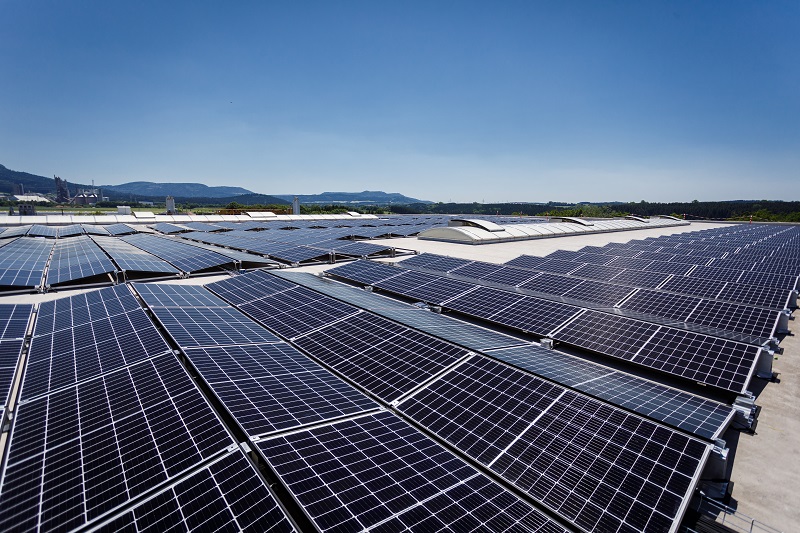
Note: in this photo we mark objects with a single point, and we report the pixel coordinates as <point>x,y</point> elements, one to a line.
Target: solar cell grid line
<point>722,363</point>
<point>79,452</point>
<point>273,387</point>
<point>704,418</point>
<point>227,495</point>
<point>662,304</point>
<point>378,473</point>
<point>603,469</point>
<point>69,356</point>
<point>165,295</point>
<point>14,320</point>
<point>248,287</point>
<point>364,271</point>
<point>382,357</point>
<point>608,334</point>
<point>297,311</point>
<point>527,261</point>
<point>554,284</point>
<point>192,327</point>
<point>739,318</point>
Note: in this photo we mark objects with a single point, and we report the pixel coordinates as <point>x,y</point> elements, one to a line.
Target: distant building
<point>30,198</point>
<point>171,206</point>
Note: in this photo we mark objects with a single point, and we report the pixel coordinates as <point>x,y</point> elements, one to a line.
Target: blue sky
<point>440,100</point>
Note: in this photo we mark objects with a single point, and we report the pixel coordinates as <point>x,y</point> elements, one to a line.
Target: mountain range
<point>10,180</point>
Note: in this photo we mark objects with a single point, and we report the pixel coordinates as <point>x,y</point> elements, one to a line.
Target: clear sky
<point>440,100</point>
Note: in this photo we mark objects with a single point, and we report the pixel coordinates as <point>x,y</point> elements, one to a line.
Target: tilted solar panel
<point>379,472</point>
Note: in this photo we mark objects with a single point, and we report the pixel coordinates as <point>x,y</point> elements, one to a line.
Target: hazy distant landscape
<point>194,195</point>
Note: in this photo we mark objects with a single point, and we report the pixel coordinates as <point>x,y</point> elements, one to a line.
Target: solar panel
<point>768,297</point>
<point>70,231</point>
<point>598,272</point>
<point>249,287</point>
<point>272,387</point>
<point>641,278</point>
<point>72,355</point>
<point>211,326</point>
<point>79,452</point>
<point>598,292</point>
<point>567,451</point>
<point>226,495</point>
<point>668,268</point>
<point>533,315</point>
<point>379,472</point>
<point>15,231</point>
<point>439,263</point>
<point>551,284</point>
<point>37,230</point>
<point>663,304</point>
<point>686,411</point>
<point>14,320</point>
<point>722,363</point>
<point>296,311</point>
<point>119,229</point>
<point>366,272</point>
<point>361,249</point>
<point>183,255</point>
<point>527,261</point>
<point>603,469</point>
<point>509,276</point>
<point>704,288</point>
<point>165,295</point>
<point>167,228</point>
<point>739,318</point>
<point>78,259</point>
<point>22,262</point>
<point>384,358</point>
<point>64,313</point>
<point>767,279</point>
<point>558,266</point>
<point>425,287</point>
<point>693,414</point>
<point>609,334</point>
<point>10,350</point>
<point>131,259</point>
<point>476,269</point>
